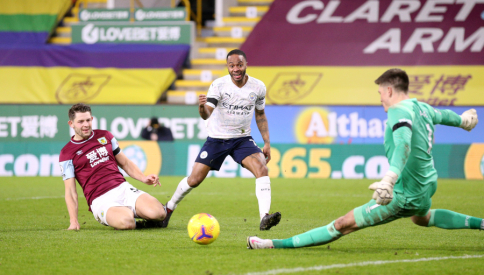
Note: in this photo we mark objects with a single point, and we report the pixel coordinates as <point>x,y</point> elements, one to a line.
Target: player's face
<point>385,92</point>
<point>237,66</point>
<point>82,125</point>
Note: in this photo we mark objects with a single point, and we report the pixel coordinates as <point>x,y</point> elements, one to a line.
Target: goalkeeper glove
<point>469,119</point>
<point>384,189</point>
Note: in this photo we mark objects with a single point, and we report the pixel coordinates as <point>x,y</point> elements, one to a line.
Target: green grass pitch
<point>33,239</point>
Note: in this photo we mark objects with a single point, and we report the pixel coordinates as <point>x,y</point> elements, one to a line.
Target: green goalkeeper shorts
<point>372,214</point>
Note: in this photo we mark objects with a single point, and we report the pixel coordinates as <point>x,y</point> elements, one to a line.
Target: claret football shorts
<point>123,195</point>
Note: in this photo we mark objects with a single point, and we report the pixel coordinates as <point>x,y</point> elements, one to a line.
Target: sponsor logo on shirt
<point>102,140</point>
<point>99,161</point>
<point>97,156</point>
<point>237,107</point>
<point>79,152</point>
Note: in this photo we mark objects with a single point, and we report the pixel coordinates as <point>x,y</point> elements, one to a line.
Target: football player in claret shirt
<point>407,188</point>
<point>92,158</point>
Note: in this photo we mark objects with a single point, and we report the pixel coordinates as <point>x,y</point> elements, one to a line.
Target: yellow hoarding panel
<point>436,85</point>
<point>34,7</point>
<point>64,85</point>
<point>474,162</point>
<point>145,154</point>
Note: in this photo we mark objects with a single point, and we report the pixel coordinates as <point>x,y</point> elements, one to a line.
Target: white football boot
<point>258,243</point>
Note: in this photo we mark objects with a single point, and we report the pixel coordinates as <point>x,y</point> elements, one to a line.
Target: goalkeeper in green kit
<point>407,188</point>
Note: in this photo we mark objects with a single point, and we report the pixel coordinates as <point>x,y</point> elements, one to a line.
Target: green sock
<point>447,219</point>
<point>318,236</point>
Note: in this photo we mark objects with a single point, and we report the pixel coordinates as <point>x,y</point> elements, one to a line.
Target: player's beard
<point>81,134</point>
<point>241,79</point>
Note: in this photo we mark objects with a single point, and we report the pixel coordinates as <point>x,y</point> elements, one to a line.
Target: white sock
<point>181,191</point>
<point>263,193</point>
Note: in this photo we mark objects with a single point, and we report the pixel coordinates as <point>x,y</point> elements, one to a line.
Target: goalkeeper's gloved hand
<point>469,119</point>
<point>384,189</point>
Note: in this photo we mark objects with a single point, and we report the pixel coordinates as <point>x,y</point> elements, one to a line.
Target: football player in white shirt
<point>229,107</point>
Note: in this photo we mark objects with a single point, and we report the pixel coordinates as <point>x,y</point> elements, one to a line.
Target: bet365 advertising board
<point>307,142</point>
<point>355,161</point>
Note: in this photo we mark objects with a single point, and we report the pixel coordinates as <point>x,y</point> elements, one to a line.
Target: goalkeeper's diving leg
<point>447,219</point>
<point>369,214</point>
<point>318,236</point>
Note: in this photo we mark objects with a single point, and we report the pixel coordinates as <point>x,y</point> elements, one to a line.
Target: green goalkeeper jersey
<point>408,143</point>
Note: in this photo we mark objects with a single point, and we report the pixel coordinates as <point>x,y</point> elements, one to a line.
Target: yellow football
<point>203,228</point>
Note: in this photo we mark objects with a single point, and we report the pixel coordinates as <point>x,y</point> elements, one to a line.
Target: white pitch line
<point>33,198</point>
<point>325,267</point>
<point>58,197</point>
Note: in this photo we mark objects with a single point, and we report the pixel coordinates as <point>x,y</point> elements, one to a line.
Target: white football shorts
<point>123,195</point>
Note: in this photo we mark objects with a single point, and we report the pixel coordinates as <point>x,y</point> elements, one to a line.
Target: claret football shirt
<point>92,162</point>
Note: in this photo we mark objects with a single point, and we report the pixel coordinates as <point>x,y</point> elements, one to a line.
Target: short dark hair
<point>236,51</point>
<point>78,108</point>
<point>396,77</point>
<point>154,121</point>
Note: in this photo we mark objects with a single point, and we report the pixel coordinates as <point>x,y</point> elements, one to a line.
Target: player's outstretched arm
<point>261,120</point>
<point>204,110</point>
<point>469,120</point>
<point>72,203</point>
<point>133,171</point>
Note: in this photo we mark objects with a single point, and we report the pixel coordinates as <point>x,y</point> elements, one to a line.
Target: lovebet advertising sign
<point>140,14</point>
<point>104,15</point>
<point>161,14</point>
<point>153,33</point>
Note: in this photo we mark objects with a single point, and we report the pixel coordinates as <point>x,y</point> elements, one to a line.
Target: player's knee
<point>155,213</point>
<point>340,223</point>
<point>126,223</point>
<point>195,180</point>
<point>420,221</point>
<point>261,171</point>
<point>345,225</point>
